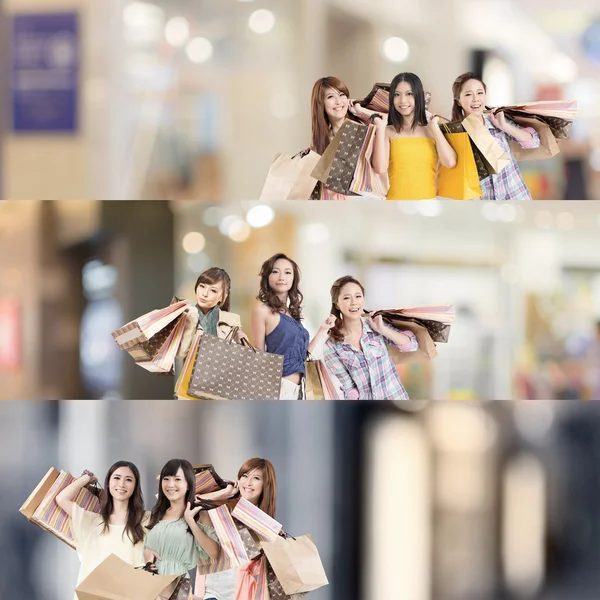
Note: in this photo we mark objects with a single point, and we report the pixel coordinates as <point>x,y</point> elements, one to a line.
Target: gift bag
<point>164,358</point>
<point>251,582</point>
<point>557,114</point>
<point>41,507</point>
<point>114,579</point>
<point>275,590</point>
<point>495,158</point>
<point>229,537</point>
<point>296,563</point>
<point>346,157</point>
<point>548,145</point>
<point>320,383</point>
<point>229,371</point>
<point>378,99</point>
<point>143,328</point>
<point>436,320</point>
<point>290,178</point>
<point>366,182</point>
<point>462,181</point>
<point>207,479</point>
<point>426,350</point>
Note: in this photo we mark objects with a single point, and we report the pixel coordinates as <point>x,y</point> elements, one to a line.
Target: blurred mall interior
<point>430,500</point>
<point>176,99</point>
<point>524,280</point>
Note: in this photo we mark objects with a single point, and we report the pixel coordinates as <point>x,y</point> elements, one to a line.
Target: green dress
<point>178,549</point>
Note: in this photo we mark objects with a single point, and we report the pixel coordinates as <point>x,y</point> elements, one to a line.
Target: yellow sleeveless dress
<point>413,169</point>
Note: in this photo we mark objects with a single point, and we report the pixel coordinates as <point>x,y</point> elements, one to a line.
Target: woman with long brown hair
<point>118,529</point>
<point>330,106</point>
<point>356,351</point>
<point>179,535</point>
<point>256,482</point>
<point>470,95</point>
<point>276,321</point>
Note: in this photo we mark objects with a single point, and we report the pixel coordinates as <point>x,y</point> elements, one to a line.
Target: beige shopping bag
<point>548,145</point>
<point>491,150</point>
<point>290,178</point>
<point>114,579</point>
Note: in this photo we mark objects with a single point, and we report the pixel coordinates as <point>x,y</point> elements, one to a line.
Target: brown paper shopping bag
<point>296,563</point>
<point>323,166</point>
<point>548,145</point>
<point>491,150</point>
<point>114,579</point>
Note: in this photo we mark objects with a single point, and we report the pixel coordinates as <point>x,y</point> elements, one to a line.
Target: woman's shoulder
<point>261,309</point>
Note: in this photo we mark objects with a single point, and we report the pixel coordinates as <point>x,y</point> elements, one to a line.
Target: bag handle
<point>302,153</point>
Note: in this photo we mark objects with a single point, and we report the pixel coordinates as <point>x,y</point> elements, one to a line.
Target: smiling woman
<point>118,529</point>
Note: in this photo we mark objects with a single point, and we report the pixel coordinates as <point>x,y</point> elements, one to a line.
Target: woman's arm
<point>65,498</point>
<point>445,152</point>
<point>321,337</point>
<point>527,137</point>
<point>406,342</point>
<point>380,161</point>
<point>209,545</point>
<point>258,324</point>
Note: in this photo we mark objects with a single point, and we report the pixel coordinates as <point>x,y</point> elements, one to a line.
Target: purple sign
<point>45,72</point>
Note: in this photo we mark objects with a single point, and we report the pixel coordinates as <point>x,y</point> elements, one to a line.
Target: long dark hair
<point>319,121</point>
<point>163,503</point>
<point>419,118</point>
<point>335,333</point>
<point>458,114</point>
<point>212,276</point>
<point>267,296</point>
<point>268,497</point>
<point>135,505</point>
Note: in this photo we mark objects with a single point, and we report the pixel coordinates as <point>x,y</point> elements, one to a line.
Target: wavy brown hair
<point>416,85</point>
<point>267,296</point>
<point>458,114</point>
<point>162,502</point>
<point>212,276</point>
<point>320,125</point>
<point>335,333</point>
<point>268,497</point>
<point>135,505</point>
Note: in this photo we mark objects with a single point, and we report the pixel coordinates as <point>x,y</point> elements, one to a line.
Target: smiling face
<point>251,485</point>
<point>336,104</point>
<point>122,484</point>
<point>175,487</point>
<point>472,97</point>
<point>281,277</point>
<point>351,301</point>
<point>209,295</point>
<point>404,99</point>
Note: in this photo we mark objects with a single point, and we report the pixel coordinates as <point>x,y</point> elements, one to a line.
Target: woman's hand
<point>328,323</point>
<point>359,111</point>
<point>190,513</point>
<point>434,124</point>
<point>93,478</point>
<point>377,324</point>
<point>498,120</point>
<point>239,336</point>
<point>151,556</point>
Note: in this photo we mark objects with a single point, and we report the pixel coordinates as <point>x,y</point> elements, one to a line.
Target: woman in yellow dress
<point>409,147</point>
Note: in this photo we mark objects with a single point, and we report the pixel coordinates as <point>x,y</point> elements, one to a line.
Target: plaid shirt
<point>371,374</point>
<point>508,184</point>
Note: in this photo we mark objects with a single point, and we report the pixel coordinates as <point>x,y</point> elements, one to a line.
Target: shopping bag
<point>229,537</point>
<point>424,353</point>
<point>207,479</point>
<point>320,383</point>
<point>365,181</point>
<point>290,178</point>
<point>323,167</point>
<point>495,158</point>
<point>378,99</point>
<point>254,518</point>
<point>251,582</point>
<point>275,590</point>
<point>163,360</point>
<point>143,328</point>
<point>557,114</point>
<point>462,181</point>
<point>346,157</point>
<point>114,579</point>
<point>296,563</point>
<point>548,145</point>
<point>229,371</point>
<point>41,507</point>
<point>483,169</point>
<point>436,320</point>
<point>185,377</point>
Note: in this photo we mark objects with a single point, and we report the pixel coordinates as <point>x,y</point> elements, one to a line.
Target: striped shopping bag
<point>41,507</point>
<point>261,523</point>
<point>229,537</point>
<point>163,360</point>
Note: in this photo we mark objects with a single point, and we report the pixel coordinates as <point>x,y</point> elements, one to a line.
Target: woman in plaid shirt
<point>356,351</point>
<point>469,95</point>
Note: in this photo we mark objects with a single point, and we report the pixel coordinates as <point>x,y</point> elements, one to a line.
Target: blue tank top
<point>289,339</point>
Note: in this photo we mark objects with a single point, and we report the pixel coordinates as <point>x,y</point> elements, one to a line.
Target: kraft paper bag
<point>548,145</point>
<point>491,150</point>
<point>114,579</point>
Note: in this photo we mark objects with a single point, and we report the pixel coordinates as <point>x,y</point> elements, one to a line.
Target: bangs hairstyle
<point>335,333</point>
<point>268,497</point>
<point>458,114</point>
<point>212,276</point>
<point>320,124</point>
<point>135,506</point>
<point>419,118</point>
<point>267,296</point>
<point>163,503</point>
